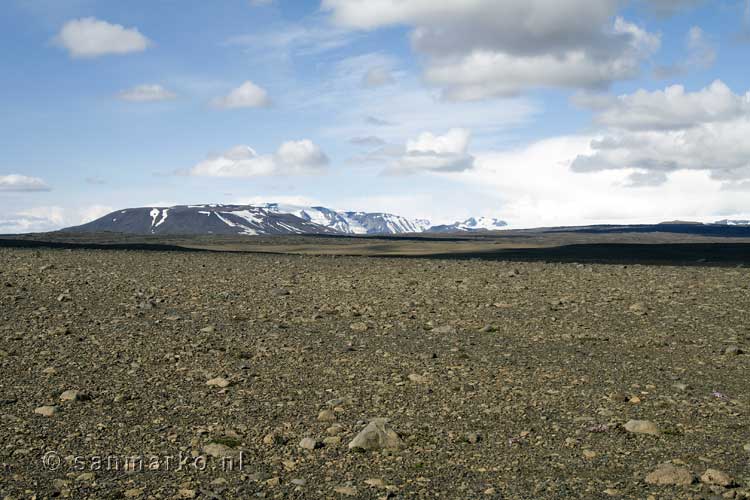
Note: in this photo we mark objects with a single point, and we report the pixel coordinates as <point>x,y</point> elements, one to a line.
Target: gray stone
<point>642,427</point>
<point>378,435</point>
<point>670,475</point>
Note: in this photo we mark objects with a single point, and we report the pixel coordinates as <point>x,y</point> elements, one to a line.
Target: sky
<point>540,113</point>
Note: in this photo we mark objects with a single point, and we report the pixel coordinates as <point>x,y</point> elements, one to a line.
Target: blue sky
<point>538,112</point>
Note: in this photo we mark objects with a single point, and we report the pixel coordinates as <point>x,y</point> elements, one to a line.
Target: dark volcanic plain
<point>502,379</point>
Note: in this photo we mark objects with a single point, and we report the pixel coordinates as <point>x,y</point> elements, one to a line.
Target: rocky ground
<point>243,376</point>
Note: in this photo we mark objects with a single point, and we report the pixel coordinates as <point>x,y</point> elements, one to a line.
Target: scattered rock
<point>358,327</point>
<point>639,308</point>
<point>375,483</point>
<point>46,411</point>
<point>378,435</point>
<point>473,437</point>
<point>218,450</point>
<point>309,443</point>
<point>74,395</point>
<point>274,439</point>
<point>668,474</point>
<point>346,491</point>
<point>326,416</point>
<point>272,482</point>
<point>642,427</point>
<point>590,454</point>
<point>219,382</point>
<point>717,477</point>
<point>335,429</point>
<point>208,329</point>
<point>445,329</point>
<point>733,350</point>
<point>332,440</point>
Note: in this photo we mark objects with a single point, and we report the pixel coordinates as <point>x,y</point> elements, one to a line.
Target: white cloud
<point>283,41</point>
<point>49,218</point>
<point>485,48</point>
<point>657,133</point>
<point>377,77</point>
<point>93,212</point>
<point>702,51</point>
<point>535,186</point>
<point>22,183</point>
<point>292,158</point>
<point>146,93</point>
<point>670,109</point>
<point>90,37</point>
<point>427,153</point>
<point>247,95</point>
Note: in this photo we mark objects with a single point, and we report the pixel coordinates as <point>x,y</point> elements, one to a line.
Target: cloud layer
<point>292,158</point>
<point>22,183</point>
<point>486,48</point>
<point>661,132</point>
<point>146,93</point>
<point>90,37</point>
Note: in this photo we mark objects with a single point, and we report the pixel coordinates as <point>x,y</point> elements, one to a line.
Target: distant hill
<point>268,219</point>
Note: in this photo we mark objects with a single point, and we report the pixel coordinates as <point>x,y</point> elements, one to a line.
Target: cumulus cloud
<point>533,185</point>
<point>90,37</point>
<point>427,153</point>
<point>247,95</point>
<point>292,158</point>
<point>670,109</point>
<point>146,93</point>
<point>22,183</point>
<point>488,48</point>
<point>657,133</point>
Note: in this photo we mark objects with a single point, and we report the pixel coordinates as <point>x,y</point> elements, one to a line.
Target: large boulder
<point>378,435</point>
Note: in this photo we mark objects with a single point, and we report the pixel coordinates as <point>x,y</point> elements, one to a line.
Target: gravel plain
<point>248,376</point>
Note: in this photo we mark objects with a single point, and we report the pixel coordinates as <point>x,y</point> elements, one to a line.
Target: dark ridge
<point>720,231</point>
<point>66,245</point>
<point>682,254</point>
<point>673,254</point>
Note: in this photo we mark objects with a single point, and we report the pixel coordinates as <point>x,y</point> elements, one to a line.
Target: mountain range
<point>270,219</point>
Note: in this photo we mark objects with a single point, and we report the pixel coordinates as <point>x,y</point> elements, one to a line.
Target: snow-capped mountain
<point>202,219</point>
<point>353,222</point>
<point>267,219</point>
<point>727,222</point>
<point>471,225</point>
